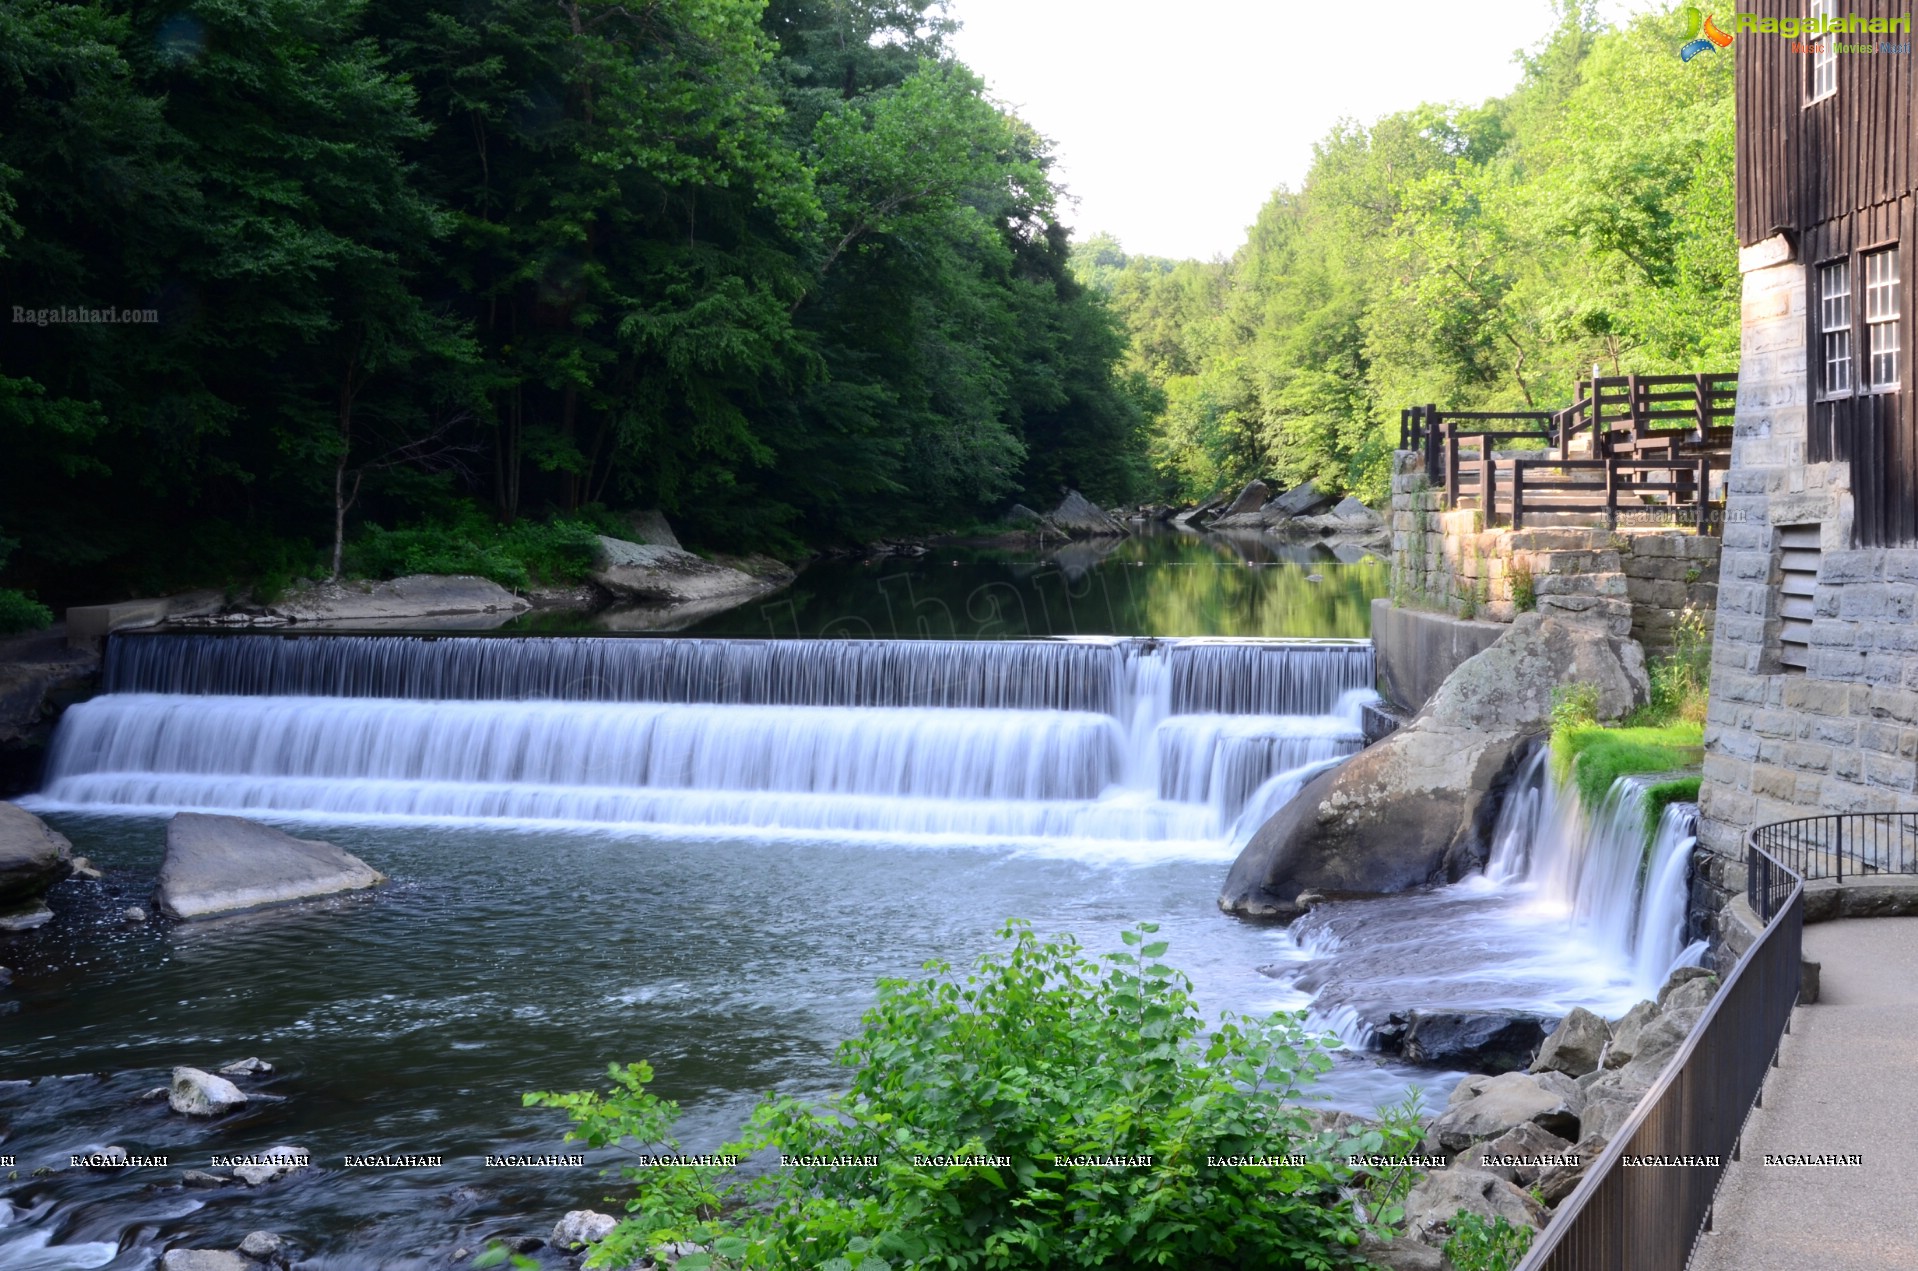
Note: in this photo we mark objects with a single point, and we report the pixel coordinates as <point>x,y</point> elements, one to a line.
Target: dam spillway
<point>1089,747</point>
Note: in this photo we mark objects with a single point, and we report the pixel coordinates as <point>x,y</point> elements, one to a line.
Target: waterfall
<point>1627,896</point>
<point>1101,747</point>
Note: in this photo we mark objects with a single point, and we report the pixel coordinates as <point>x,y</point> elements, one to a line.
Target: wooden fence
<point>1628,444</point>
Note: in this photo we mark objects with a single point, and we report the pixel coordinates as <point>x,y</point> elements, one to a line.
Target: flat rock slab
<point>224,864</point>
<point>414,596</point>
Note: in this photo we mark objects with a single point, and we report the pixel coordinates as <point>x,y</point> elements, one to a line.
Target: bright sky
<point>1174,121</point>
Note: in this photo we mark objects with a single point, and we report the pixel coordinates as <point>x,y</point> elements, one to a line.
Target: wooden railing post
<point>1432,473</point>
<point>1451,469</point>
<point>1487,483</point>
<point>1611,492</point>
<point>1518,493</point>
<point>1704,492</point>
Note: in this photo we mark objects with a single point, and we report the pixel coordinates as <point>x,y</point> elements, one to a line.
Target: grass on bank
<point>973,1103</point>
<point>1666,733</point>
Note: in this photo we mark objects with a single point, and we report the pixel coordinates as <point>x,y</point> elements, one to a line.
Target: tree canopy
<point>780,267</point>
<point>1478,257</point>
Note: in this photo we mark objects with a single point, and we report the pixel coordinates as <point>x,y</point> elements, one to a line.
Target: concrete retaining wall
<point>1417,649</point>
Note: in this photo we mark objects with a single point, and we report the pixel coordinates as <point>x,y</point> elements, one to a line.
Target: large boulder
<point>1417,807</point>
<point>33,857</point>
<point>1489,1041</point>
<point>650,527</point>
<point>1079,517</point>
<point>1626,1032</point>
<point>655,574</point>
<point>1437,1198</point>
<point>1501,1104</point>
<point>1517,1155</point>
<point>223,864</point>
<point>1302,500</point>
<point>1575,1046</point>
<point>1255,496</point>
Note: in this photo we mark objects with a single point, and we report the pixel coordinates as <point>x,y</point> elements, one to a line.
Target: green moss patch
<point>1663,794</point>
<point>1593,757</point>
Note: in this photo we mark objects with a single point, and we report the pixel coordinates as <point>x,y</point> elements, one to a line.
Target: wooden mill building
<point>1814,703</point>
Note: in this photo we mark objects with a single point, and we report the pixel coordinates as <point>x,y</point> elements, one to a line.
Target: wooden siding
<point>1801,165</point>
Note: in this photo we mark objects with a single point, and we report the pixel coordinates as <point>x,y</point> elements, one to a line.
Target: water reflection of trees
<point>1171,585</point>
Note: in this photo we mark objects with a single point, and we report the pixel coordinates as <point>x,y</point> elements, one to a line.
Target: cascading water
<point>1570,911</point>
<point>1090,747</point>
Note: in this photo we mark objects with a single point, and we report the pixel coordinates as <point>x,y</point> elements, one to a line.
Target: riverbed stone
<point>1503,1103</point>
<point>1253,497</point>
<point>414,596</point>
<point>582,1227</point>
<point>1575,1046</point>
<point>1301,500</point>
<point>654,574</point>
<point>1417,808</point>
<point>1437,1198</point>
<point>1678,979</point>
<point>33,856</point>
<point>201,1094</point>
<point>271,1169</point>
<point>251,1066</point>
<point>1491,1041</point>
<point>264,1246</point>
<point>1514,1155</point>
<point>204,1260</point>
<point>224,864</point>
<point>25,916</point>
<point>1625,1033</point>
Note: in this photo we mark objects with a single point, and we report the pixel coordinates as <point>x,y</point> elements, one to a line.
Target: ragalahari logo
<point>1701,35</point>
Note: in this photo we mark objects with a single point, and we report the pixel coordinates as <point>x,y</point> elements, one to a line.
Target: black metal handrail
<point>1628,1213</point>
<point>1830,846</point>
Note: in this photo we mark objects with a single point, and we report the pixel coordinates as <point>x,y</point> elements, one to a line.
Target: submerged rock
<point>33,857</point>
<point>25,917</point>
<point>248,1067</point>
<point>223,864</point>
<point>204,1260</point>
<point>1417,807</point>
<point>201,1094</point>
<point>275,1163</point>
<point>264,1246</point>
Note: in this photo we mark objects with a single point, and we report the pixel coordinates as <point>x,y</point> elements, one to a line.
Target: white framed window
<point>1834,326</point>
<point>1882,297</point>
<point>1824,55</point>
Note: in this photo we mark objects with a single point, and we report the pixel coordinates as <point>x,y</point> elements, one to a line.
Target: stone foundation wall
<point>1637,581</point>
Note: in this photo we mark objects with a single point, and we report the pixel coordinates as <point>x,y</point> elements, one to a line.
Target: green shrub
<point>1681,679</point>
<point>20,612</point>
<point>1524,588</point>
<point>1039,1054</point>
<point>514,556</point>
<point>1478,1245</point>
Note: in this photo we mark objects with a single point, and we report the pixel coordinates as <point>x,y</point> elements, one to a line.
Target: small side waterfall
<point>1624,893</point>
<point>1570,911</point>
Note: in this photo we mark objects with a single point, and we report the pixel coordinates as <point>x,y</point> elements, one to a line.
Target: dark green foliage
<point>514,556</point>
<point>781,269</point>
<point>1039,1052</point>
<point>1478,1245</point>
<point>20,612</point>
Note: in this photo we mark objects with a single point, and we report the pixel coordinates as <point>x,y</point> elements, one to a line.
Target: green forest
<point>438,283</point>
<point>1476,257</point>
